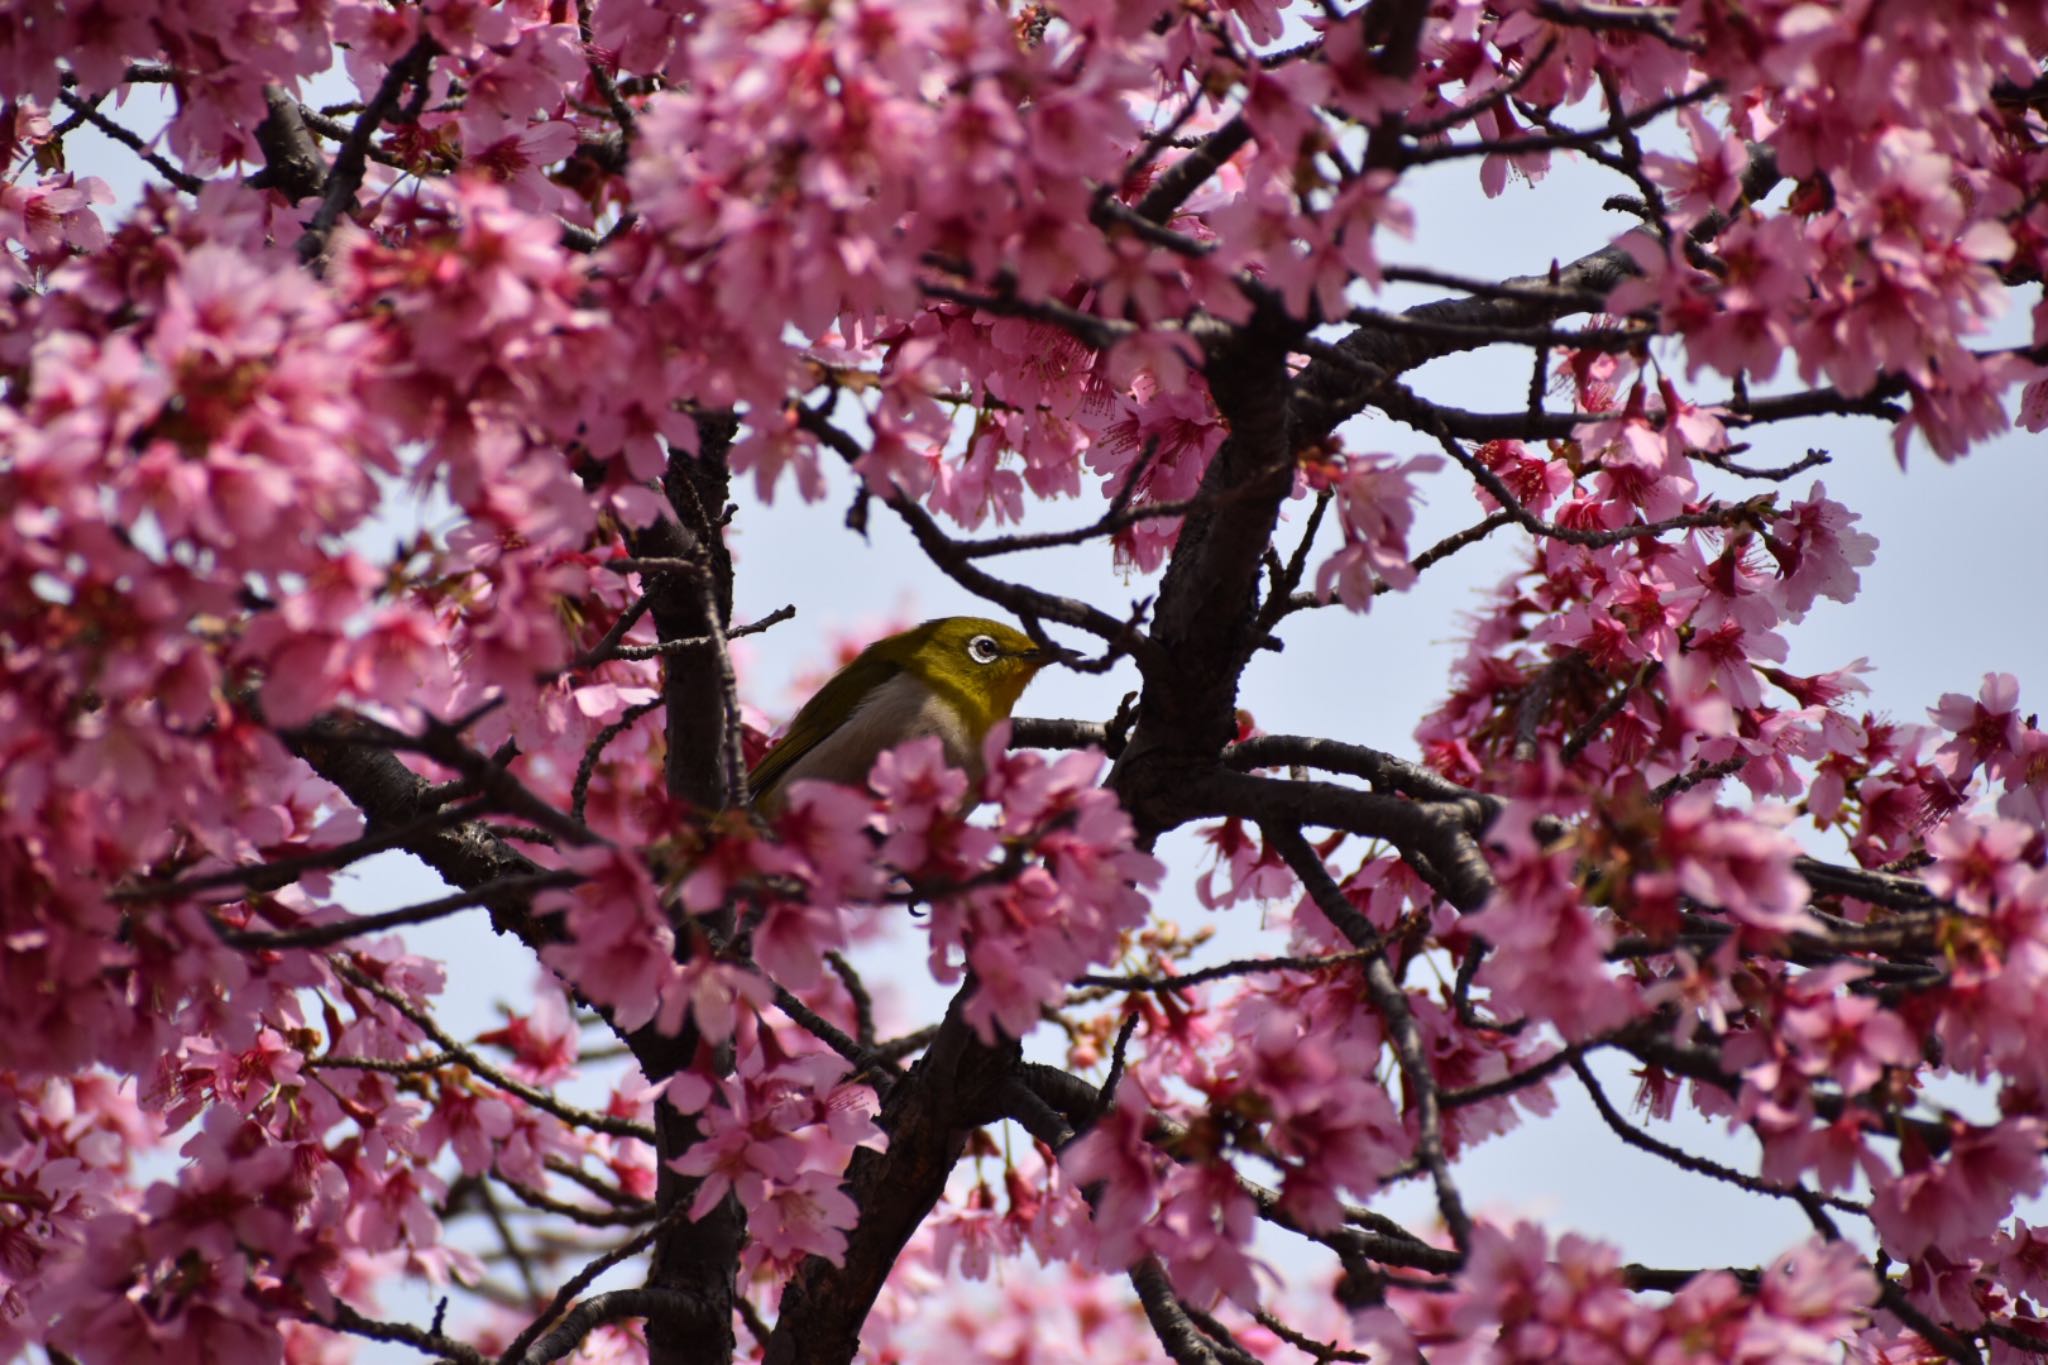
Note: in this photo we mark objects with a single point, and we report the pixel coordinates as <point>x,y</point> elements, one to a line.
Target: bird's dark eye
<point>983,649</point>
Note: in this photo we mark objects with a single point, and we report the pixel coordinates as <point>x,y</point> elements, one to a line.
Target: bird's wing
<point>840,695</point>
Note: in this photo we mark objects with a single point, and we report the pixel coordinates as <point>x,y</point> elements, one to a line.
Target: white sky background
<point>1957,590</point>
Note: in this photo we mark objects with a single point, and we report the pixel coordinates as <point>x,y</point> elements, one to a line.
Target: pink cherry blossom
<point>1951,1200</point>
<point>367,473</point>
<point>1375,505</point>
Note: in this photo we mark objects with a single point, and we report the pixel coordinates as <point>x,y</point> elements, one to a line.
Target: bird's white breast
<point>903,708</point>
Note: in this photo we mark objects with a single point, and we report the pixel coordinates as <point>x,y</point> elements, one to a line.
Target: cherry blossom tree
<point>569,271</point>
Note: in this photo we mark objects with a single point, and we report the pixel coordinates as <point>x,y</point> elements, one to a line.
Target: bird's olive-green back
<point>937,653</point>
<point>822,714</point>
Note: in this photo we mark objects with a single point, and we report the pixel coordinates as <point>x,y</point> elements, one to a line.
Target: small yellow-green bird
<point>954,678</point>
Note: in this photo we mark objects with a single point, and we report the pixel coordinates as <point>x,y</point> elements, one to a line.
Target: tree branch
<point>539,1099</point>
<point>580,1321</point>
<point>927,1115</point>
<point>1183,1342</point>
<point>1442,832</point>
<point>292,164</point>
<point>1402,1033</point>
<point>345,177</point>
<point>85,109</point>
<point>1205,623</point>
<point>323,935</point>
<point>667,1302</point>
<point>1684,1160</point>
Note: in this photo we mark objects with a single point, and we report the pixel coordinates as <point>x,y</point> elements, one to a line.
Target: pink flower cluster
<point>778,1133</point>
<point>1023,935</point>
<point>922,219</point>
<point>1687,634</point>
<point>1550,947</point>
<point>311,1171</point>
<point>820,155</point>
<point>1905,220</point>
<point>1376,499</point>
<point>1522,1298</point>
<point>1290,1078</point>
<point>229,56</point>
<point>1991,735</point>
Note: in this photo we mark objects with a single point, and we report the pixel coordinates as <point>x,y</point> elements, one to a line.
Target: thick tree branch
<point>292,164</point>
<point>1366,360</point>
<point>1443,833</point>
<point>1031,732</point>
<point>1187,175</point>
<point>1384,771</point>
<point>673,1308</point>
<point>689,588</point>
<point>951,1090</point>
<point>587,1316</point>
<point>1204,625</point>
<point>1182,1341</point>
<point>345,177</point>
<point>395,799</point>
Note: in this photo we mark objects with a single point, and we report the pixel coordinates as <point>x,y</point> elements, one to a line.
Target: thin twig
<point>607,88</point>
<point>325,935</point>
<point>281,872</point>
<point>602,650</point>
<point>1933,1333</point>
<point>579,791</point>
<point>347,1319</point>
<point>1705,772</point>
<point>1565,139</point>
<point>515,1353</point>
<point>627,1214</point>
<point>184,180</point>
<point>1430,128</point>
<point>1607,711</point>
<point>1698,1165</point>
<point>1402,1033</point>
<point>1514,1081</point>
<point>390,1066</point>
<point>539,1099</point>
<point>857,992</point>
<point>1124,1033</point>
<point>1245,967</point>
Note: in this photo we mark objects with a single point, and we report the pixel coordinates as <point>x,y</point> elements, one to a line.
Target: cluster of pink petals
<point>1991,734</point>
<point>778,1133</point>
<point>1287,1071</point>
<point>1376,497</point>
<point>1550,946</point>
<point>1023,936</point>
<point>197,431</point>
<point>1898,261</point>
<point>1522,1298</point>
<point>230,56</point>
<point>1692,633</point>
<point>304,1177</point>
<point>819,155</point>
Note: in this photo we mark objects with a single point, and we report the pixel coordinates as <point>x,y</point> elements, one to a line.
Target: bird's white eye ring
<point>982,649</point>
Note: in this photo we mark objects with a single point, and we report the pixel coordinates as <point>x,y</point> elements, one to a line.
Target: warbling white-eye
<point>954,678</point>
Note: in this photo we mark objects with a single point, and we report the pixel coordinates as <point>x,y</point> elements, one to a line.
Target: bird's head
<point>978,666</point>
